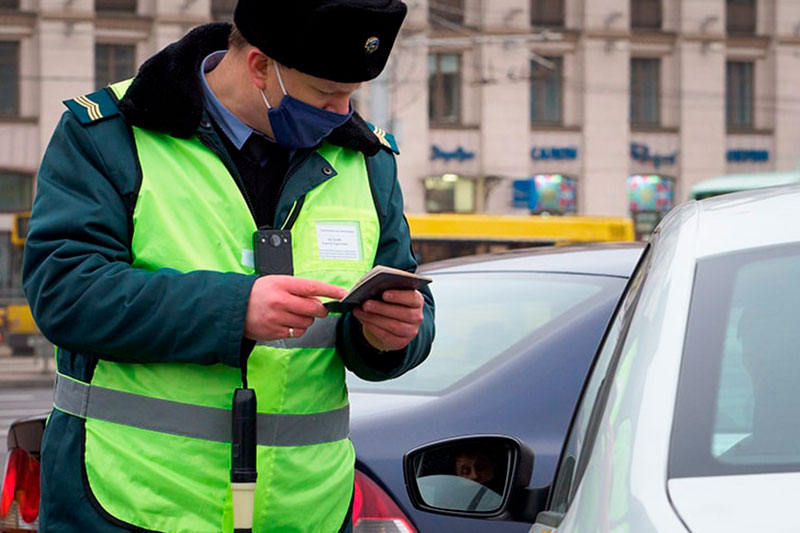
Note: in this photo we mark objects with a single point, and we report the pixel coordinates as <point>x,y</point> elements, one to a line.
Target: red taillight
<point>374,510</point>
<point>9,484</point>
<point>21,483</point>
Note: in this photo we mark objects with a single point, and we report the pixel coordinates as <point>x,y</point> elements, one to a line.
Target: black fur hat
<point>340,40</point>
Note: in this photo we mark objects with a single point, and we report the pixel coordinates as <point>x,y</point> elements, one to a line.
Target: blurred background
<point>574,119</point>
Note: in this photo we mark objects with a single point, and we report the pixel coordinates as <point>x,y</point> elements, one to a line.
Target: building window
<point>446,13</point>
<point>222,9</point>
<point>16,191</point>
<point>739,94</point>
<point>444,86</point>
<point>9,4</point>
<point>645,91</point>
<point>112,63</point>
<point>115,6</point>
<point>741,17</point>
<point>546,91</point>
<point>9,78</point>
<point>449,193</point>
<point>646,14</point>
<point>547,13</point>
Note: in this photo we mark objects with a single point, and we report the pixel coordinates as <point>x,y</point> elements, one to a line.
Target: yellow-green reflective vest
<point>189,216</point>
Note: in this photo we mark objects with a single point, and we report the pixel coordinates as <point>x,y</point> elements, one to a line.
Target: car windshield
<point>738,409</point>
<point>480,315</point>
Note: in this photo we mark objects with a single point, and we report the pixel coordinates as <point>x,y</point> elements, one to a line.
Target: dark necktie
<point>256,149</point>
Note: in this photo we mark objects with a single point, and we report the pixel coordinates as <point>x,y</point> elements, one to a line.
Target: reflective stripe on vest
<point>195,421</point>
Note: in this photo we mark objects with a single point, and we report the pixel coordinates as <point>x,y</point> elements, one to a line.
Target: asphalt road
<point>18,403</point>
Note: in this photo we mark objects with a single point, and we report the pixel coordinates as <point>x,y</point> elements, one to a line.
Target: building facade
<point>595,107</point>
<point>53,50</point>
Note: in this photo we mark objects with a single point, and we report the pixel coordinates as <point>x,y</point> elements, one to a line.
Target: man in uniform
<point>233,152</point>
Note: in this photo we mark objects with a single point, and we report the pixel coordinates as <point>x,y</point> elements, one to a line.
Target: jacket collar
<point>167,95</point>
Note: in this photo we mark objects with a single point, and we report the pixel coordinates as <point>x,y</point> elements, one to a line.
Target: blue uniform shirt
<point>232,126</point>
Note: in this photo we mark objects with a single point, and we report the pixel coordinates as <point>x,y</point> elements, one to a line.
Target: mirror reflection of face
<point>475,466</point>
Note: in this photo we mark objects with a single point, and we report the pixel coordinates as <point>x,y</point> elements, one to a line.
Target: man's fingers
<point>309,288</point>
<point>398,312</point>
<point>294,321</point>
<point>280,302</point>
<point>388,337</point>
<point>305,306</point>
<point>408,298</point>
<point>293,333</point>
<point>396,327</point>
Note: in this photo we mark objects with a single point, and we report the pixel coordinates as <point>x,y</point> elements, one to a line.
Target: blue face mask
<point>296,124</point>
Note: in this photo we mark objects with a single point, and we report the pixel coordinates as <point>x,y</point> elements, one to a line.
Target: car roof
<point>749,219</point>
<point>602,259</point>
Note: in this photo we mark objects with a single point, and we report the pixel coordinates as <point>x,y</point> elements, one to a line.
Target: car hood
<point>766,502</point>
<point>364,405</point>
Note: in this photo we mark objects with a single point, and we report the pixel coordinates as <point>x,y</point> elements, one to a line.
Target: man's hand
<point>278,303</point>
<point>392,323</point>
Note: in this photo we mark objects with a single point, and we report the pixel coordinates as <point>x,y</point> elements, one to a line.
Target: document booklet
<point>371,286</point>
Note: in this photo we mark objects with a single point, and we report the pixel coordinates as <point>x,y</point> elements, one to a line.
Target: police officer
<point>234,152</point>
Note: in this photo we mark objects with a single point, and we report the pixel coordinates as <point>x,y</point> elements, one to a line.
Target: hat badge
<point>372,44</point>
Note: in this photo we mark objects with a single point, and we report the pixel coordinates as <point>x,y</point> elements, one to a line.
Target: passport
<point>373,283</point>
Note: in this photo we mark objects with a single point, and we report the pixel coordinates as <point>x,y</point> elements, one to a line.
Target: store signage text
<point>559,153</point>
<point>747,156</point>
<point>641,153</point>
<point>459,154</point>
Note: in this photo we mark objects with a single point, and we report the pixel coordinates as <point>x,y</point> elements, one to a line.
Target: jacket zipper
<point>286,180</point>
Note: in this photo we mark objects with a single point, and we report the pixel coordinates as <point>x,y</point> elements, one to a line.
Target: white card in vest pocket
<point>339,240</point>
<point>248,258</point>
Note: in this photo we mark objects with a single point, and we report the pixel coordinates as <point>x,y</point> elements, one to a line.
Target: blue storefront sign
<point>641,153</point>
<point>524,194</point>
<point>554,153</point>
<point>748,156</point>
<point>459,154</point>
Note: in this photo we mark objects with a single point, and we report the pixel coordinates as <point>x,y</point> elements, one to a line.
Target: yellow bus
<point>442,236</point>
<point>17,328</point>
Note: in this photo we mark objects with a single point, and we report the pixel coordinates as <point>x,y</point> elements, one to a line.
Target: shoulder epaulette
<point>386,138</point>
<point>93,107</point>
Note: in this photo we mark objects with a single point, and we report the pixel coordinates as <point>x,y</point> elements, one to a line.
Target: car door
<point>587,416</point>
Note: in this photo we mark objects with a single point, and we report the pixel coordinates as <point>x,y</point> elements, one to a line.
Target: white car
<point>690,417</point>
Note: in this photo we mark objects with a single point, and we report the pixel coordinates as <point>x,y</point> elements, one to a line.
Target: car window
<point>480,315</point>
<point>738,406</point>
<point>568,474</point>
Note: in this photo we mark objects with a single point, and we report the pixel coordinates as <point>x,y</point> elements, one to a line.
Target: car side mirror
<point>483,476</point>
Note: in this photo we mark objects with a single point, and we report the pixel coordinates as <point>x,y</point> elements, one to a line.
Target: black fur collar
<point>167,94</point>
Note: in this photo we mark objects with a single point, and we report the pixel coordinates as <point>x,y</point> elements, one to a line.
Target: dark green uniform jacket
<point>90,302</point>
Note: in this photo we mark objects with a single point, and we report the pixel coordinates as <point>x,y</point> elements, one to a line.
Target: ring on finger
<point>291,332</point>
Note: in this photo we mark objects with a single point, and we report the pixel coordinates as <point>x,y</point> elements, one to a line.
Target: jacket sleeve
<point>394,249</point>
<point>84,294</point>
